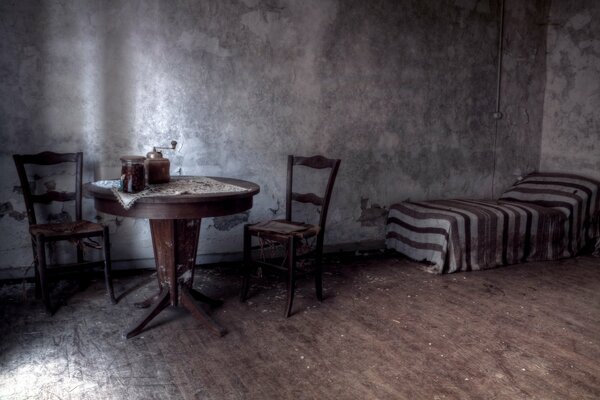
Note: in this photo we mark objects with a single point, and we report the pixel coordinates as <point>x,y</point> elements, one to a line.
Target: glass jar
<point>132,174</point>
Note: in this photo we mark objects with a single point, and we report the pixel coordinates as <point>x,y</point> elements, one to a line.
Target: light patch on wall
<point>251,3</point>
<point>259,23</point>
<point>200,41</point>
<point>91,84</point>
<point>159,100</point>
<point>580,20</point>
<point>389,142</point>
<point>159,120</point>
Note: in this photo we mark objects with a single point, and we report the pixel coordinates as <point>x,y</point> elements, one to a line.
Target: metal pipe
<point>497,113</point>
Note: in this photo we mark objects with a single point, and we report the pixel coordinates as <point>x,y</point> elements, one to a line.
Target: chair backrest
<point>316,162</point>
<point>49,158</point>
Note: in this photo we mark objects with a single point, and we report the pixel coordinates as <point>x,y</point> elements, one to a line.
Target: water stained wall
<point>571,135</point>
<point>403,92</point>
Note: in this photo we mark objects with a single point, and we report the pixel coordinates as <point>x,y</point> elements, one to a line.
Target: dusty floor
<point>386,330</point>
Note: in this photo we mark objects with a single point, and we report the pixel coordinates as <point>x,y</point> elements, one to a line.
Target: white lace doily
<point>196,185</point>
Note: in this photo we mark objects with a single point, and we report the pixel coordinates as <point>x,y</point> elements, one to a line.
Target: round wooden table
<point>175,229</point>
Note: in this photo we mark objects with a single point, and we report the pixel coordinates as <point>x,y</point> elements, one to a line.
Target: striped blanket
<point>577,197</point>
<point>543,217</point>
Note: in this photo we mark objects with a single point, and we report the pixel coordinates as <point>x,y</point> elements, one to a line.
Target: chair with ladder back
<point>78,231</point>
<point>290,234</point>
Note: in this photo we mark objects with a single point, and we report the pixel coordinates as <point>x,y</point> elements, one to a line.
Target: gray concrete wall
<point>401,91</point>
<point>571,133</point>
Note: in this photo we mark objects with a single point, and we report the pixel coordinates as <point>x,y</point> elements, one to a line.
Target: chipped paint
<point>59,218</point>
<point>7,209</point>
<point>229,222</point>
<point>373,215</point>
<point>186,277</point>
<point>274,211</point>
<point>164,278</point>
<point>50,185</point>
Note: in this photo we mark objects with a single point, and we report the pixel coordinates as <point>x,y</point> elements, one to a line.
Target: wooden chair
<point>289,233</point>
<point>75,231</point>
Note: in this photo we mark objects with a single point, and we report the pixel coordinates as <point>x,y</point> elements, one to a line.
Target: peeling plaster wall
<point>402,92</point>
<point>571,133</point>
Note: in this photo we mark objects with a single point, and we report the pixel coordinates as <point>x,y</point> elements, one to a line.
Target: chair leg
<point>36,272</point>
<point>246,265</point>
<point>38,284</point>
<point>291,282</point>
<point>319,273</point>
<point>83,273</point>
<point>108,266</point>
<point>41,265</point>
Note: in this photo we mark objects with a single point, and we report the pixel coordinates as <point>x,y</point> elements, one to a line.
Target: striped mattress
<point>545,216</point>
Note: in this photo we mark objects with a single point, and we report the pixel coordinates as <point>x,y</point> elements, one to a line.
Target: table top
<point>181,206</point>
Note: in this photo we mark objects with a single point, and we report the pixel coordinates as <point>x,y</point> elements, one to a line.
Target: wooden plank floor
<point>386,330</point>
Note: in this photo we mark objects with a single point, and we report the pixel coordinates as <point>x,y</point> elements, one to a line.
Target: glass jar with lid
<point>132,174</point>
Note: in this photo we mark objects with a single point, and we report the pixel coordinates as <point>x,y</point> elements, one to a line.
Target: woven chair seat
<point>282,229</point>
<point>66,228</point>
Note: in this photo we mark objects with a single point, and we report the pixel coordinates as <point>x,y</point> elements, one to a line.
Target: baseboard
<point>26,273</point>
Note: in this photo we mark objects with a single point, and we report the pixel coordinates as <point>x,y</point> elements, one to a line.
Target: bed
<point>545,216</point>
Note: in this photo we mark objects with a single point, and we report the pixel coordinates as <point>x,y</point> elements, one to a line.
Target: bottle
<point>132,174</point>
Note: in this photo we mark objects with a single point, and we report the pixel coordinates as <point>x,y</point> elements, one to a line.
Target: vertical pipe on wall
<point>497,114</point>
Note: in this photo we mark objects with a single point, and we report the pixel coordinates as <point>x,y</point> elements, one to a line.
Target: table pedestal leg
<point>204,298</point>
<point>175,243</point>
<point>161,304</point>
<point>149,301</point>
<point>193,306</point>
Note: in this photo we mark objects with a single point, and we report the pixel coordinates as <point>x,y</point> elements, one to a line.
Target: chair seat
<point>282,229</point>
<point>81,227</point>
